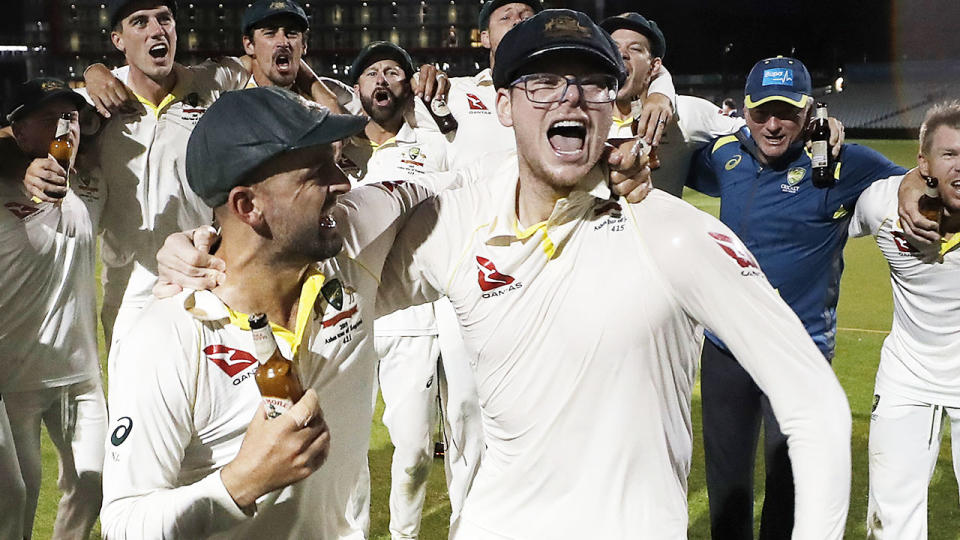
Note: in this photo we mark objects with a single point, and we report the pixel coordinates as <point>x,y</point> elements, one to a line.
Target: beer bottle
<point>61,149</point>
<point>930,203</point>
<point>820,155</point>
<point>276,376</point>
<point>441,114</point>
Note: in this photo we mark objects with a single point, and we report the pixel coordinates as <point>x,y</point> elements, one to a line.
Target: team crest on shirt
<point>493,282</point>
<point>794,176</point>
<point>413,156</point>
<point>338,323</point>
<point>736,251</point>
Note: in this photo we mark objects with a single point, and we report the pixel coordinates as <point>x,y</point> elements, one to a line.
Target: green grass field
<point>864,319</point>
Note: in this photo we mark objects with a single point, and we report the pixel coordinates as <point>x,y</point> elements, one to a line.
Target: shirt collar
<point>504,222</point>
<point>208,307</point>
<point>484,78</point>
<point>180,89</point>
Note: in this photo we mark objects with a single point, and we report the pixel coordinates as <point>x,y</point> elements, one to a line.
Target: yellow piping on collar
<point>546,243</point>
<point>308,297</point>
<point>157,110</point>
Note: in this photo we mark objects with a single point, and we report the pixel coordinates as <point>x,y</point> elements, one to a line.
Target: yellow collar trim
<point>308,297</point>
<point>546,243</point>
<point>375,146</point>
<point>157,110</point>
<point>950,244</point>
<point>620,123</point>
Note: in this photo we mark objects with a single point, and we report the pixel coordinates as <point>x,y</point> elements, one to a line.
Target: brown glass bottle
<point>930,203</point>
<point>276,376</point>
<point>61,149</point>
<point>820,151</point>
<point>441,114</point>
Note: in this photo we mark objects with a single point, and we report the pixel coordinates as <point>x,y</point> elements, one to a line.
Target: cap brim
<point>23,110</point>
<point>334,127</point>
<point>793,98</point>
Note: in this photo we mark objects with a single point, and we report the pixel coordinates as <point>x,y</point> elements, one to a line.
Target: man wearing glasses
<point>585,373</point>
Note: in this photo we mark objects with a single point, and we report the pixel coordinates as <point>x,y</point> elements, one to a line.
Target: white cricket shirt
<point>48,320</point>
<point>584,339</point>
<point>413,155</point>
<point>143,160</point>
<point>920,358</point>
<point>183,395</point>
<point>695,123</point>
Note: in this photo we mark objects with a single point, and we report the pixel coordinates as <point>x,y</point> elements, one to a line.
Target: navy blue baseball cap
<point>115,8</point>
<point>245,128</point>
<point>778,79</point>
<point>381,50</point>
<point>638,23</point>
<point>550,31</point>
<point>264,9</point>
<point>487,8</point>
<point>34,93</point>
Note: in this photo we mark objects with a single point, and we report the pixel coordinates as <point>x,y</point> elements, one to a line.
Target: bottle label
<point>439,107</point>
<point>275,406</point>
<point>821,113</point>
<point>63,127</point>
<point>263,343</point>
<point>819,154</point>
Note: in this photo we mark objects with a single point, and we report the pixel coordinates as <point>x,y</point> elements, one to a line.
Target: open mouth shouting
<point>382,97</point>
<point>159,51</point>
<point>284,62</point>
<point>567,137</point>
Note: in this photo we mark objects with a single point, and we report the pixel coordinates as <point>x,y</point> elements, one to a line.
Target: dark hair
<point>729,102</point>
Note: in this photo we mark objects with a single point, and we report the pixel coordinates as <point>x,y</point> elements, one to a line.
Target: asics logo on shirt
<point>230,360</point>
<point>475,103</point>
<point>735,251</point>
<point>488,277</point>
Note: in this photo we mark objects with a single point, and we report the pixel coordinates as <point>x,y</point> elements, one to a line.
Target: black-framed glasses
<point>551,88</point>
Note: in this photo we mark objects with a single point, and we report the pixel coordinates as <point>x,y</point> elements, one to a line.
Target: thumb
<point>305,410</point>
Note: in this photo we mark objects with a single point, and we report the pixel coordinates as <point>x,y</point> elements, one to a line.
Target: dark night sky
<point>824,33</point>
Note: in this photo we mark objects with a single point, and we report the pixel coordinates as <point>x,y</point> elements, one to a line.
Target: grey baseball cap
<point>245,128</point>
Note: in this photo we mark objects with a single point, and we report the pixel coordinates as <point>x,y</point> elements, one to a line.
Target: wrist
<point>239,490</point>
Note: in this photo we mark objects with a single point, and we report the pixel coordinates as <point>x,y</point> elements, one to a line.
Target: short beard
<point>382,115</point>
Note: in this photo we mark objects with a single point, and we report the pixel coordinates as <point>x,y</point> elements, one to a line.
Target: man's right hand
<point>184,262</point>
<point>278,452</point>
<point>108,93</point>
<point>46,180</point>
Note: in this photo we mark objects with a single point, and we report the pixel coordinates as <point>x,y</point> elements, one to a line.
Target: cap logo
<point>280,4</point>
<point>778,77</point>
<point>565,26</point>
<point>46,86</point>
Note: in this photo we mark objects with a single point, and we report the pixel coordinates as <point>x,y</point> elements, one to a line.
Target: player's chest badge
<point>794,176</point>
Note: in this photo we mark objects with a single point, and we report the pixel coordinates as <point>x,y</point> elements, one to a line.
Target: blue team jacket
<point>796,231</point>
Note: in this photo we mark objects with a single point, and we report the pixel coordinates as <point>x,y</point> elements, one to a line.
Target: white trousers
<point>904,444</point>
<point>76,420</point>
<point>410,381</point>
<point>13,494</point>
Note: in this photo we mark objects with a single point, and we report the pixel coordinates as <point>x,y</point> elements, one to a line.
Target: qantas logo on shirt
<point>488,277</point>
<point>22,211</point>
<point>736,252</point>
<point>475,103</point>
<point>231,361</point>
<point>392,185</point>
<point>901,242</point>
